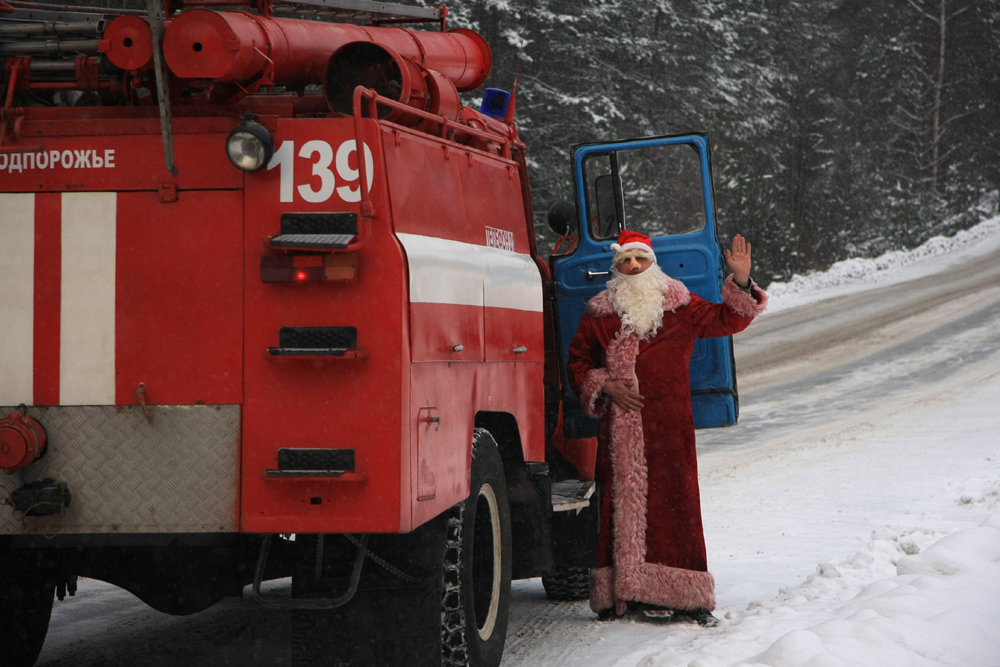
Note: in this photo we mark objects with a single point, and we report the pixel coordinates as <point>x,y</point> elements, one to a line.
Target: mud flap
<point>530,512</point>
<point>574,535</point>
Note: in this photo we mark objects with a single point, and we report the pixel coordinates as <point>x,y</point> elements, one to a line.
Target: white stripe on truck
<point>87,324</point>
<point>17,298</point>
<point>442,271</point>
<point>512,280</point>
<point>463,274</point>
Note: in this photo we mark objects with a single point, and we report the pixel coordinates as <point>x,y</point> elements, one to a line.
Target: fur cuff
<point>590,393</point>
<point>661,585</point>
<point>676,588</point>
<point>747,305</point>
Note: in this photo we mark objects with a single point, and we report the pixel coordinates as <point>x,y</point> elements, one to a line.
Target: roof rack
<point>367,11</point>
<point>358,11</point>
<point>46,11</point>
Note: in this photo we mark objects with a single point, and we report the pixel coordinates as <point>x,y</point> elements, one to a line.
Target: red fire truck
<point>272,306</point>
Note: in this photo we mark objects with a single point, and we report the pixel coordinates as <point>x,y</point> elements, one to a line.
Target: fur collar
<point>675,296</point>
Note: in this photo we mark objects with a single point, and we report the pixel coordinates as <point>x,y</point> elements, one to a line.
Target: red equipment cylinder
<point>390,75</point>
<point>240,47</point>
<point>22,442</point>
<point>128,43</point>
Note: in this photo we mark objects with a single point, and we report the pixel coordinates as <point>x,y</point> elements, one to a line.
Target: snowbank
<point>931,603</point>
<point>857,275</point>
<point>941,608</point>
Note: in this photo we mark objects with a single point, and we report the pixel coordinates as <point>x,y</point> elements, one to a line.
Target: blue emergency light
<point>495,103</point>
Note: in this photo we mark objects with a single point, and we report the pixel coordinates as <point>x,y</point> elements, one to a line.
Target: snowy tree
<point>839,127</point>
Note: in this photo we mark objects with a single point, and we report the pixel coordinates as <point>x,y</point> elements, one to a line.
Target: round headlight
<point>250,146</point>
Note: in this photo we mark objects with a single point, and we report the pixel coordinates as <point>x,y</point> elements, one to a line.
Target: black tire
<point>567,583</point>
<point>25,609</point>
<point>476,591</point>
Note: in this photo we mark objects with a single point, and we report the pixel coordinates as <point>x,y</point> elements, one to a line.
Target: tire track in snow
<point>548,631</point>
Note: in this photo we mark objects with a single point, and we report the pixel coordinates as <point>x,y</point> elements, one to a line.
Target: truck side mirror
<point>562,218</point>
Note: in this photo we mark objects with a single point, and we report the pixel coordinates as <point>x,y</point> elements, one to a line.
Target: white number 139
<point>284,158</point>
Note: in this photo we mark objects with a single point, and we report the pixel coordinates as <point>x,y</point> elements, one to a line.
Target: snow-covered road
<point>868,432</point>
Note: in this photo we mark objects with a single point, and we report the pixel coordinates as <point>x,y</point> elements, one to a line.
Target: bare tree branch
<point>925,14</point>
<point>966,8</point>
<point>958,116</point>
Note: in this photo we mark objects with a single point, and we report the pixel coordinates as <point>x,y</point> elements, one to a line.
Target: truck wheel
<point>568,583</point>
<point>476,590</point>
<point>25,608</point>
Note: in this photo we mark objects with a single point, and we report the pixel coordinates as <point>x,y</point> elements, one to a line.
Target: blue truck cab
<point>661,187</point>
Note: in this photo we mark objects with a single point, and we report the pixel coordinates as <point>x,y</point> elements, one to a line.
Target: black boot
<point>607,614</point>
<point>702,617</point>
<point>644,611</point>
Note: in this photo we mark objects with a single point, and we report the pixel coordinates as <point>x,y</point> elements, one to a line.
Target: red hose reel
<point>22,442</point>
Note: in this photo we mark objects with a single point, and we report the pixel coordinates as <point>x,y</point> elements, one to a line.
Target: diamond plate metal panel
<point>176,473</point>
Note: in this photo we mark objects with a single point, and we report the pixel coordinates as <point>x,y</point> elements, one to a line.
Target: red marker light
<point>301,268</point>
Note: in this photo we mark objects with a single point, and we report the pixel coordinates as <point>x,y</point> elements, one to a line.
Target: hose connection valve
<point>22,442</point>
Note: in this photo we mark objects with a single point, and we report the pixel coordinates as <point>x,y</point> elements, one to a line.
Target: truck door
<point>662,187</point>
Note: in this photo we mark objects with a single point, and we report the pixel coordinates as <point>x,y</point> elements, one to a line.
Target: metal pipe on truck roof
<point>50,28</point>
<point>241,47</point>
<point>24,9</point>
<point>30,47</point>
<point>43,66</point>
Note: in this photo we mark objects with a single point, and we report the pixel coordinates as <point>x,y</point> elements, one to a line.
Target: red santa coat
<point>651,546</point>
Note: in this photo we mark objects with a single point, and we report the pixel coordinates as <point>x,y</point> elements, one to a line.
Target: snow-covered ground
<point>853,516</point>
<point>897,516</point>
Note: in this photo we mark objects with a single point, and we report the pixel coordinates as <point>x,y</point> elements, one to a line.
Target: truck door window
<point>660,191</point>
<point>605,224</point>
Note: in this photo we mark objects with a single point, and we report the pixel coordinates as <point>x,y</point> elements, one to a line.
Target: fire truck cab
<point>273,307</point>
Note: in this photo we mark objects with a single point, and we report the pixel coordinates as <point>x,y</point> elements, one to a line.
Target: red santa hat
<point>634,242</point>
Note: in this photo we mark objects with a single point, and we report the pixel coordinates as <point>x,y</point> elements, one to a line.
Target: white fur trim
<point>600,305</point>
<point>652,583</point>
<point>748,305</point>
<point>602,588</point>
<point>591,401</point>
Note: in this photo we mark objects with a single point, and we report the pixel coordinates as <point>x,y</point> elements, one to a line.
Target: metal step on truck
<point>272,306</point>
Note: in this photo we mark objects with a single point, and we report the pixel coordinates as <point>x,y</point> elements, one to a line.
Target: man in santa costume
<point>628,363</point>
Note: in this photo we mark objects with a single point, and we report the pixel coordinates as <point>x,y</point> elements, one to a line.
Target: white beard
<point>638,300</point>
